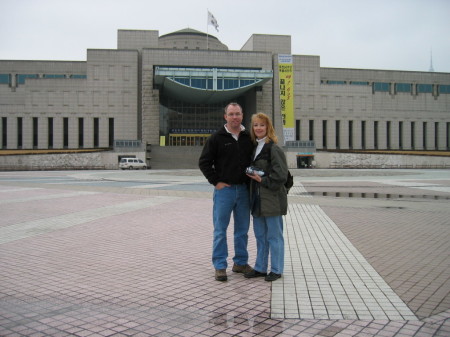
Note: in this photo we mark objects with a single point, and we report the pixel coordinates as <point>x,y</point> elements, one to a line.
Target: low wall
<point>187,158</point>
<point>369,160</point>
<point>65,161</point>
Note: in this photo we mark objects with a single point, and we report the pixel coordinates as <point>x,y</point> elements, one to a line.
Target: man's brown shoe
<point>242,269</point>
<point>221,275</point>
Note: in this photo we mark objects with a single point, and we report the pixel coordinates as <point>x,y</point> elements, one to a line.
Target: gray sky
<point>365,34</point>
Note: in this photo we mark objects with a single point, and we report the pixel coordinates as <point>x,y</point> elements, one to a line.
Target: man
<point>225,156</point>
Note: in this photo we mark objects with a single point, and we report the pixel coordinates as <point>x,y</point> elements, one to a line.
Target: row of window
<point>199,139</point>
<point>413,128</point>
<point>51,134</point>
<point>187,139</point>
<point>207,83</point>
<point>398,87</point>
<point>20,78</point>
<point>178,116</point>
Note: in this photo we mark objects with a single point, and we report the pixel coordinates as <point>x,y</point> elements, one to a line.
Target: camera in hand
<point>252,170</point>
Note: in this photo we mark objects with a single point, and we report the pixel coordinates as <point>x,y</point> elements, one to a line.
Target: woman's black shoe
<point>272,277</point>
<point>254,273</point>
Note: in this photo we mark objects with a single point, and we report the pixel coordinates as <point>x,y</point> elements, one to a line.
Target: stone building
<point>169,91</point>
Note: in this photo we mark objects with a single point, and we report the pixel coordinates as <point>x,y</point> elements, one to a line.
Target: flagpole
<point>207,28</point>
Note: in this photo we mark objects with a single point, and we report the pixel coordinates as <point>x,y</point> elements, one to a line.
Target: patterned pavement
<point>115,253</point>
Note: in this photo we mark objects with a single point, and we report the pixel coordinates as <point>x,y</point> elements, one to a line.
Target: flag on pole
<point>212,21</point>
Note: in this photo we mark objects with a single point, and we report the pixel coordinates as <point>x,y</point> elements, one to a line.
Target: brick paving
<point>110,253</point>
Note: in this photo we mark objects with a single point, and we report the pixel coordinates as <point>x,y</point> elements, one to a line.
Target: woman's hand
<point>255,177</point>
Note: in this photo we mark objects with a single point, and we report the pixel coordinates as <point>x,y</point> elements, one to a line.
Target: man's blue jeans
<point>233,199</point>
<point>269,238</point>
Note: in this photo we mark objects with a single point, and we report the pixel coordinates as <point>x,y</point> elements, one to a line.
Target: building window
<point>19,132</point>
<point>179,118</point>
<point>338,134</point>
<point>413,138</point>
<point>228,84</point>
<point>363,135</point>
<point>5,79</point>
<point>444,89</point>
<point>96,132</point>
<point>183,80</point>
<point>54,76</point>
<point>204,78</point>
<point>65,132</point>
<point>359,83</point>
<point>375,135</point>
<point>80,132</point>
<point>336,82</point>
<point>111,132</point>
<point>400,135</point>
<point>311,130</point>
<point>381,87</point>
<point>324,134</point>
<point>20,78</point>
<point>436,136</point>
<point>447,135</point>
<point>35,132</point>
<point>297,129</point>
<point>50,133</point>
<point>403,87</point>
<point>424,139</point>
<point>5,132</point>
<point>424,88</point>
<point>350,134</point>
<point>388,135</point>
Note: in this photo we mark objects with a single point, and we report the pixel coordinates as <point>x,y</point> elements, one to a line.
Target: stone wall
<point>187,158</point>
<point>378,161</point>
<point>65,161</point>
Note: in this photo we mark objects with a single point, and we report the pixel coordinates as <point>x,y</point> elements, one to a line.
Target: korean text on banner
<point>286,75</point>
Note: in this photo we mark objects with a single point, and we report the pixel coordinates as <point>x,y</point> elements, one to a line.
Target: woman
<point>268,199</point>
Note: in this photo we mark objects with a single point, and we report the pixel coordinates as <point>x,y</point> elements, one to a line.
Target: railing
<point>127,143</point>
<point>301,144</point>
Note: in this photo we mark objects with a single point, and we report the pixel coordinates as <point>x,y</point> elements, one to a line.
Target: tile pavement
<point>327,278</point>
<point>128,254</point>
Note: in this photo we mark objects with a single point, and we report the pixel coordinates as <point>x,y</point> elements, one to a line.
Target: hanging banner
<point>286,76</point>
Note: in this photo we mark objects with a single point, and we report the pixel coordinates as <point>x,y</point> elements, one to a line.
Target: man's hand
<point>221,185</point>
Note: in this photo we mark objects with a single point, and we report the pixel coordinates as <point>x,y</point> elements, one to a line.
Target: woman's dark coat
<point>269,198</point>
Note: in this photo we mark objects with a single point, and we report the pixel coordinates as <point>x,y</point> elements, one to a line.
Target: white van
<point>131,164</point>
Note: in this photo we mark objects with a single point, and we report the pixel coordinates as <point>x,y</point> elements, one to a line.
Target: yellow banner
<point>162,140</point>
<point>286,76</point>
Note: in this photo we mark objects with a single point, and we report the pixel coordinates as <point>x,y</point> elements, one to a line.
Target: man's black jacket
<point>225,159</point>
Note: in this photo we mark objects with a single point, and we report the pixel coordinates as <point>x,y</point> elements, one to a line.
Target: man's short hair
<point>233,104</point>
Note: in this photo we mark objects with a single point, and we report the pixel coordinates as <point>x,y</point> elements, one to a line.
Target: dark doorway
<point>304,162</point>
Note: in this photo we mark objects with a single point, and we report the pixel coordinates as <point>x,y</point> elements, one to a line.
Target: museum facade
<point>170,91</point>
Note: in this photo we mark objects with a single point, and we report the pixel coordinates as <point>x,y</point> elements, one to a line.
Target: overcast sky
<point>365,34</point>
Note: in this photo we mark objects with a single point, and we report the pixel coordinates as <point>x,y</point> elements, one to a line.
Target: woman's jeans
<point>233,199</point>
<point>269,238</point>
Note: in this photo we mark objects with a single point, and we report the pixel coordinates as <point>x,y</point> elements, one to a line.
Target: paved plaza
<point>128,253</point>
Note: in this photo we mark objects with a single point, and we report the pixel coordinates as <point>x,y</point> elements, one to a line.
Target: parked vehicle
<point>132,163</point>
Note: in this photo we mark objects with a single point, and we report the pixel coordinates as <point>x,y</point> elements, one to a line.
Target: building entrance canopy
<point>208,85</point>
